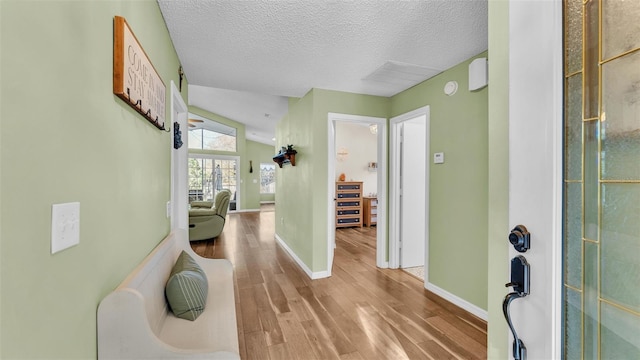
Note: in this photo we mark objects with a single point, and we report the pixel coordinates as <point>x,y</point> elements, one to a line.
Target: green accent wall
<point>65,137</point>
<point>294,184</point>
<point>498,185</point>
<point>457,188</point>
<point>301,191</point>
<point>326,101</point>
<point>258,153</point>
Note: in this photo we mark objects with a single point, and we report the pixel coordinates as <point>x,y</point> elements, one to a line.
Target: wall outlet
<point>65,226</point>
<point>168,209</point>
<point>281,221</point>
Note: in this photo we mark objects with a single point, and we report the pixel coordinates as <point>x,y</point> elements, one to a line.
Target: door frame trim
<point>394,171</point>
<point>381,226</point>
<point>179,203</point>
<point>536,72</point>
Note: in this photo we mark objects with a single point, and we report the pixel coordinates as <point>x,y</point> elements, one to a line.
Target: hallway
<point>361,312</point>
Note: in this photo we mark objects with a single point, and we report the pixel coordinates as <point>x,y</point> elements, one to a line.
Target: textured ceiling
<point>243,57</point>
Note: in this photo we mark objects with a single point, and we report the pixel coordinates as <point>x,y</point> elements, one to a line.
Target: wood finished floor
<point>360,312</point>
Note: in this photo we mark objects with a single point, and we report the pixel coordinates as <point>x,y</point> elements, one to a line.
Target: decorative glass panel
<point>621,115</point>
<point>573,129</point>
<point>602,293</point>
<point>573,324</point>
<point>619,333</point>
<point>573,235</point>
<point>590,345</point>
<point>591,180</point>
<point>573,36</point>
<point>621,28</point>
<point>621,244</point>
<point>591,61</point>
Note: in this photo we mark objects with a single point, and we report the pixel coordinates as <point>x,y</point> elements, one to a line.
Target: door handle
<point>520,238</point>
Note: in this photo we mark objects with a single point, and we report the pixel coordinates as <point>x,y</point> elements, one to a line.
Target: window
<point>205,134</point>
<point>207,176</point>
<point>267,178</point>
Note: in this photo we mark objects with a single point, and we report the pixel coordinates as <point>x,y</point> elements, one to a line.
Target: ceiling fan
<point>191,121</point>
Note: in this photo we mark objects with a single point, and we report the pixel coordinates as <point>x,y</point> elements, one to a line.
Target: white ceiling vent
<point>401,76</point>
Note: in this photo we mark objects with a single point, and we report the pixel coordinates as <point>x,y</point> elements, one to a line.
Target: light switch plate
<point>65,226</point>
<point>438,158</point>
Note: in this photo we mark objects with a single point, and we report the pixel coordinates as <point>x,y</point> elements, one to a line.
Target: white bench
<point>135,322</point>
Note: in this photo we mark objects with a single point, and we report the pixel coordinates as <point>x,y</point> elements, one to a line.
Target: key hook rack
<point>147,115</point>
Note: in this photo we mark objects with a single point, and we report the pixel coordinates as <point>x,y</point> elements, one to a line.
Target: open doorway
<point>409,192</point>
<point>362,160</point>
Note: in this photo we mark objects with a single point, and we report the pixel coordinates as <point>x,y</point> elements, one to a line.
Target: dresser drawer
<point>341,221</point>
<point>348,212</point>
<point>348,186</point>
<point>349,196</point>
<point>348,203</point>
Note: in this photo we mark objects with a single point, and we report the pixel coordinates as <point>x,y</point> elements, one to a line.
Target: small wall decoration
<point>287,155</point>
<point>135,80</point>
<point>177,136</point>
<point>342,154</point>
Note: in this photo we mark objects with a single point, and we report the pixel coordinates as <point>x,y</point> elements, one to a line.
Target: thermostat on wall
<point>438,158</point>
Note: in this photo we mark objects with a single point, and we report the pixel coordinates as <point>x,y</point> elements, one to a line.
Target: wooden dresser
<point>370,213</point>
<point>348,203</point>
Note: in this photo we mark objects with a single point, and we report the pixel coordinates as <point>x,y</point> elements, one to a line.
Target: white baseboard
<point>243,211</point>
<point>267,202</point>
<point>460,302</point>
<point>312,275</point>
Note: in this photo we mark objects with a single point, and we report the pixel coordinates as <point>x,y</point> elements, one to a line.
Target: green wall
<point>457,188</point>
<point>258,153</point>
<point>326,101</point>
<point>294,184</point>
<point>498,206</point>
<point>65,137</point>
<point>301,200</point>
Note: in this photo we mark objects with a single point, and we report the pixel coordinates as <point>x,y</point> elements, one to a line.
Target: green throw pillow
<point>187,288</point>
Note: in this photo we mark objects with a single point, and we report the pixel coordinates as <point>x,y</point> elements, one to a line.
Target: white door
<point>412,192</point>
<point>535,168</point>
<point>408,190</point>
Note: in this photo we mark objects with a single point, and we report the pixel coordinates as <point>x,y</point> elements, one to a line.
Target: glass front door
<point>601,304</point>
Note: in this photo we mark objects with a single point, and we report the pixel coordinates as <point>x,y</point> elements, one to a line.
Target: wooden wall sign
<point>135,80</point>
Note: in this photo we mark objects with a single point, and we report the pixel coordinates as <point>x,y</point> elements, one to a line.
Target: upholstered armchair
<point>206,218</point>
